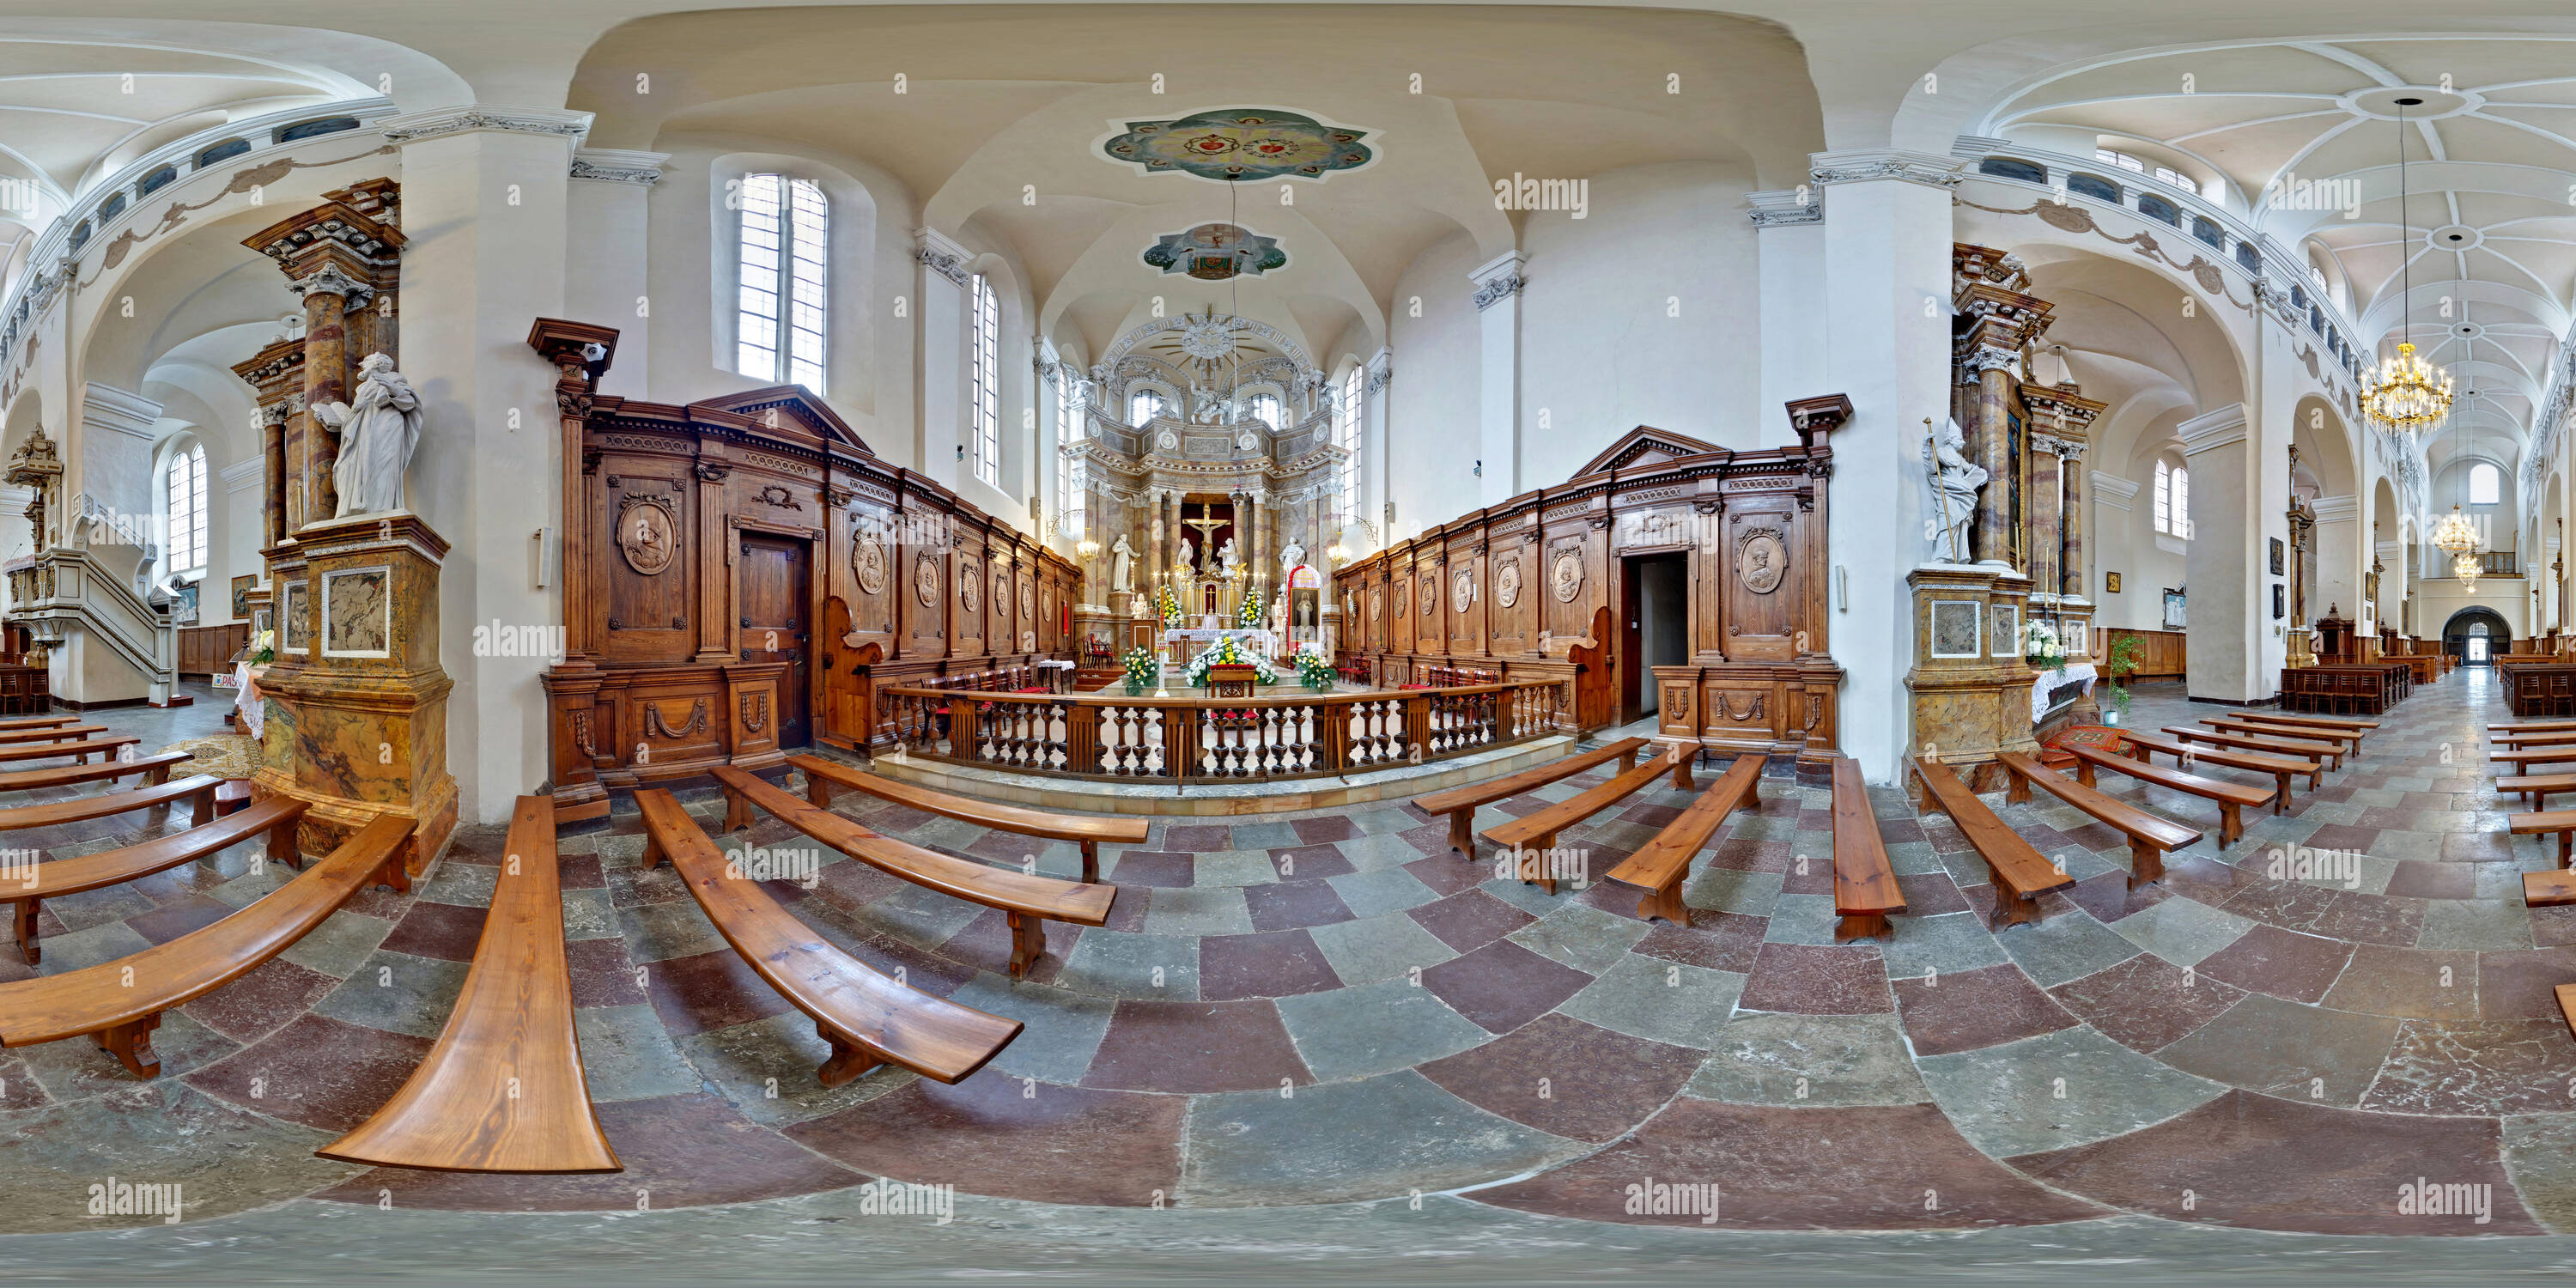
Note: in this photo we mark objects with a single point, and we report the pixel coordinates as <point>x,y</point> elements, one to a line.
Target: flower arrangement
<point>2040,647</point>
<point>1315,671</point>
<point>1142,669</point>
<point>1225,652</point>
<point>1253,609</point>
<point>264,649</point>
<point>1167,606</point>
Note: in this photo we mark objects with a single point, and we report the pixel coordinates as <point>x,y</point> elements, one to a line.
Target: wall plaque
<point>647,532</point>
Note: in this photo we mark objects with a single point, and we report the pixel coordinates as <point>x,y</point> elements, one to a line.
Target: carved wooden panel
<point>1760,570</point>
<point>1463,598</point>
<point>649,564</point>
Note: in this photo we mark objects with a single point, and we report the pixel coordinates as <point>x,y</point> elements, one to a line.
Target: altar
<point>1188,642</point>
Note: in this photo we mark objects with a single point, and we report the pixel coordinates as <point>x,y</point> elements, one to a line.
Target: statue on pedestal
<point>1955,482</point>
<point>1224,566</point>
<point>377,434</point>
<point>1189,553</point>
<point>1123,564</point>
<point>1289,557</point>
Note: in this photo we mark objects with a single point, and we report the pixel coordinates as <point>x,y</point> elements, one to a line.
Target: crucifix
<point>1207,524</point>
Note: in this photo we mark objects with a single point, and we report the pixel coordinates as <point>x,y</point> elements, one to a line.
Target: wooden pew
<point>2533,726</point>
<point>2560,823</point>
<point>867,1018</point>
<point>2020,875</point>
<point>1538,831</point>
<point>2150,836</point>
<point>1461,803</point>
<point>78,749</point>
<point>276,816</point>
<point>2142,746</point>
<point>2555,738</point>
<point>502,1090</point>
<point>2324,751</point>
<point>121,1001</point>
<point>2231,798</point>
<point>53,733</point>
<point>2314,722</point>
<point>2346,741</point>
<point>198,788</point>
<point>821,776</point>
<point>39,722</point>
<point>2537,787</point>
<point>2565,994</point>
<point>2544,889</point>
<point>2536,756</point>
<point>1864,881</point>
<point>1027,901</point>
<point>152,769</point>
<point>1661,865</point>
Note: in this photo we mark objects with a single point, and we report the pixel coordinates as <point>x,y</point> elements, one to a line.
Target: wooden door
<point>773,578</point>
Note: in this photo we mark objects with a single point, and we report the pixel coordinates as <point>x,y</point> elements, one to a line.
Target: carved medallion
<point>1760,561</point>
<point>1403,590</point>
<point>1507,583</point>
<point>1001,589</point>
<point>1028,600</point>
<point>1377,606</point>
<point>1246,441</point>
<point>970,591</point>
<point>1167,441</point>
<point>868,563</point>
<point>1567,576</point>
<point>925,579</point>
<point>1430,595</point>
<point>1462,592</point>
<point>647,533</point>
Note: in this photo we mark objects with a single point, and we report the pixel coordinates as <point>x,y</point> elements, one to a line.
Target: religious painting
<point>2276,556</point>
<point>1954,628</point>
<point>242,587</point>
<point>1760,561</point>
<point>647,529</point>
<point>2280,598</point>
<point>183,605</point>
<point>1239,145</point>
<point>2173,610</point>
<point>292,600</point>
<point>2007,631</point>
<point>1305,613</point>
<point>2110,583</point>
<point>357,613</point>
<point>1216,252</point>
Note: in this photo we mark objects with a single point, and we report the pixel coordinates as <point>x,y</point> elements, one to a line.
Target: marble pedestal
<point>1970,689</point>
<point>356,722</point>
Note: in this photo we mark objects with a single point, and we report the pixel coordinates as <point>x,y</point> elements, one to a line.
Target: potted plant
<point>1315,671</point>
<point>2121,663</point>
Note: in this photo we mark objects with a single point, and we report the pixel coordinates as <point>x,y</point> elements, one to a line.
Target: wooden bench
<point>1461,803</point>
<point>2328,752</point>
<point>152,769</point>
<point>78,749</point>
<point>1661,865</point>
<point>821,776</point>
<point>502,1090</point>
<point>2566,998</point>
<point>121,1001</point>
<point>2536,787</point>
<point>2314,722</point>
<point>55,733</point>
<point>2527,740</point>
<point>2232,799</point>
<point>2560,823</point>
<point>2142,746</point>
<point>2151,836</point>
<point>277,816</point>
<point>199,789</point>
<point>2020,875</point>
<point>2345,741</point>
<point>1027,901</point>
<point>867,1018</point>
<point>1537,831</point>
<point>38,722</point>
<point>2536,756</point>
<point>2534,726</point>
<point>2546,889</point>
<point>1864,881</point>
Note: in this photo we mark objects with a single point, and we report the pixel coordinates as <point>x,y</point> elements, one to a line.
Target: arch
<point>2481,623</point>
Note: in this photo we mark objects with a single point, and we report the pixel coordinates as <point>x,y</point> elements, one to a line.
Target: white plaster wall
<point>1602,351</point>
<point>1432,401</point>
<point>2125,543</point>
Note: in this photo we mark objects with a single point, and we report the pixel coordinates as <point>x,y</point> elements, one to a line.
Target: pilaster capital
<point>329,280</point>
<point>1381,369</point>
<point>1864,165</point>
<point>1783,208</point>
<point>940,253</point>
<point>480,118</point>
<point>618,165</point>
<point>2336,509</point>
<point>1499,279</point>
<point>2113,490</point>
<point>2213,429</point>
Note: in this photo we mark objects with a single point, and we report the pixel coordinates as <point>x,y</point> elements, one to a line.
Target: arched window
<point>185,478</point>
<point>1346,434</point>
<point>1144,405</point>
<point>2486,484</point>
<point>783,238</point>
<point>1263,408</point>
<point>2173,500</point>
<point>1068,431</point>
<point>985,375</point>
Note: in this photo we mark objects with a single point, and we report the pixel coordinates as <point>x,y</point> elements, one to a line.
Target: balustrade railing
<point>1108,735</point>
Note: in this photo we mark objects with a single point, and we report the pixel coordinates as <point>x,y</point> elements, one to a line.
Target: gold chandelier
<point>2465,567</point>
<point>2405,393</point>
<point>2455,534</point>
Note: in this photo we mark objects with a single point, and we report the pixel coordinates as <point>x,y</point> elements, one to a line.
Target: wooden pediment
<point>1645,445</point>
<point>795,409</point>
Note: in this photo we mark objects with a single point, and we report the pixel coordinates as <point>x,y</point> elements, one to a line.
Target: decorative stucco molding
<point>475,118</point>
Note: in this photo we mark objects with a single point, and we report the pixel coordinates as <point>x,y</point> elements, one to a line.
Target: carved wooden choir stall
<point>741,573</point>
<point>1552,584</point>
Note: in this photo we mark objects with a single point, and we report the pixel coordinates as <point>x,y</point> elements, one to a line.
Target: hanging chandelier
<point>2405,392</point>
<point>2455,534</point>
<point>2465,567</point>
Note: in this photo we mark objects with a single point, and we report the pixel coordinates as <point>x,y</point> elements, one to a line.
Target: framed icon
<point>2110,583</point>
<point>2173,609</point>
<point>2280,601</point>
<point>2276,556</point>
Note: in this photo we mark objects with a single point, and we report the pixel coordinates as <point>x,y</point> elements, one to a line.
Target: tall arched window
<point>1346,435</point>
<point>1068,431</point>
<point>985,310</point>
<point>2486,484</point>
<point>783,238</point>
<point>186,481</point>
<point>2173,500</point>
<point>1144,405</point>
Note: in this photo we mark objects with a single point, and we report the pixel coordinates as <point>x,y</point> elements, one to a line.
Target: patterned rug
<point>224,755</point>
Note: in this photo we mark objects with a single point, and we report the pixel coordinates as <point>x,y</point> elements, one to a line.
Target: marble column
<point>328,295</point>
<point>2046,520</point>
<point>1498,316</point>
<point>272,434</point>
<point>2072,581</point>
<point>1991,444</point>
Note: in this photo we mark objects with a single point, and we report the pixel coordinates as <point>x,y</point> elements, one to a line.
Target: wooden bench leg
<point>2011,909</point>
<point>1665,901</point>
<point>203,811</point>
<point>1535,853</point>
<point>1091,863</point>
<point>1863,925</point>
<point>281,845</point>
<point>2016,789</point>
<point>393,872</point>
<point>2231,824</point>
<point>737,811</point>
<point>27,928</point>
<point>1628,761</point>
<point>2146,864</point>
<point>1681,772</point>
<point>131,1044</point>
<point>653,855</point>
<point>2084,773</point>
<point>1462,831</point>
<point>818,791</point>
<point>2281,793</point>
<point>848,1061</point>
<point>155,776</point>
<point>1028,941</point>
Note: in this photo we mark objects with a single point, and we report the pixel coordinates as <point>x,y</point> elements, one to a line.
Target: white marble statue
<point>1289,558</point>
<point>1225,559</point>
<point>1189,561</point>
<point>377,434</point>
<point>1122,565</point>
<point>1955,483</point>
